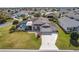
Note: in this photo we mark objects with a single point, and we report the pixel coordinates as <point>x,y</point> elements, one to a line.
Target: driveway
<point>48,42</point>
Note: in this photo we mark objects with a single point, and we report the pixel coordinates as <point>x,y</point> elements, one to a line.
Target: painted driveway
<point>48,42</point>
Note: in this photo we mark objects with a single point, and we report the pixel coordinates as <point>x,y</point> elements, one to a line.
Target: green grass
<point>17,40</point>
<point>63,40</point>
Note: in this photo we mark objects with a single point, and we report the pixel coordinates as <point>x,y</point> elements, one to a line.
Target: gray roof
<point>46,24</point>
<point>41,20</point>
<point>48,29</point>
<point>73,14</point>
<point>66,22</point>
<point>37,21</point>
<point>63,10</point>
<point>50,14</point>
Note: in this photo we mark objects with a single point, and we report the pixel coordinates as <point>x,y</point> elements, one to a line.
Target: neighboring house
<point>51,15</point>
<point>63,10</point>
<point>25,25</point>
<point>21,26</point>
<point>73,15</point>
<point>19,14</point>
<point>69,24</point>
<point>39,24</point>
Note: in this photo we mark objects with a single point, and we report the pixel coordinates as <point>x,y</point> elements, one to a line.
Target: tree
<point>3,17</point>
<point>35,9</point>
<point>25,18</point>
<point>2,21</point>
<point>74,35</point>
<point>74,39</point>
<point>38,35</point>
<point>15,22</point>
<point>22,15</point>
<point>12,29</point>
<point>54,9</point>
<point>44,15</point>
<point>37,14</point>
<point>9,10</point>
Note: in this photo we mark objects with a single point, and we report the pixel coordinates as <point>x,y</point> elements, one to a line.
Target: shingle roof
<point>74,15</point>
<point>41,20</point>
<point>66,22</point>
<point>49,28</point>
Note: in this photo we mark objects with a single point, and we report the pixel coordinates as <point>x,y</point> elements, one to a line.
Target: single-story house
<point>25,25</point>
<point>39,24</point>
<point>68,24</point>
<point>47,29</point>
<point>51,15</point>
<point>73,15</point>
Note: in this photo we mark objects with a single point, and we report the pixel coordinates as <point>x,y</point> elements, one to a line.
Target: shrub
<point>74,39</point>
<point>2,21</point>
<point>37,15</point>
<point>74,42</point>
<point>26,18</point>
<point>74,36</point>
<point>12,29</point>
<point>15,22</point>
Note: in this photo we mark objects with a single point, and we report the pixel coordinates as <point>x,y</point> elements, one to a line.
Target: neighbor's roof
<point>67,22</point>
<point>73,14</point>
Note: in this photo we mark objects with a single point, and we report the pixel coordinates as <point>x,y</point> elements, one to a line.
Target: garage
<point>48,37</point>
<point>48,33</point>
<point>47,29</point>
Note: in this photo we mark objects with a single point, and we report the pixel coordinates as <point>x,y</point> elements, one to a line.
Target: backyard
<point>63,41</point>
<point>23,40</point>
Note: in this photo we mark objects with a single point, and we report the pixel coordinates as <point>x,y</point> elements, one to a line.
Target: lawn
<point>63,40</point>
<point>17,40</point>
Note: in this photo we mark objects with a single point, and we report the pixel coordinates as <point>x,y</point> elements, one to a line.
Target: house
<point>36,24</point>
<point>51,15</point>
<point>68,24</point>
<point>39,24</point>
<point>47,29</point>
<point>73,15</point>
<point>25,25</point>
<point>21,26</point>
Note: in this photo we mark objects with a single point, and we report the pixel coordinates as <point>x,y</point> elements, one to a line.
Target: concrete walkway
<point>48,42</point>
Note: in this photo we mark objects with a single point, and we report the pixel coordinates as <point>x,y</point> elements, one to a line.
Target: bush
<point>37,15</point>
<point>74,39</point>
<point>25,19</point>
<point>74,36</point>
<point>2,21</point>
<point>43,15</point>
<point>15,22</point>
<point>74,42</point>
<point>12,29</point>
